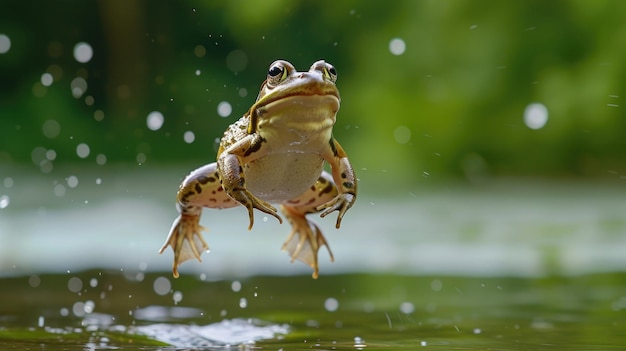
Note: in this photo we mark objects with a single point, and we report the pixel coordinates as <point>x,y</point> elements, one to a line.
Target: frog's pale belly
<point>280,177</point>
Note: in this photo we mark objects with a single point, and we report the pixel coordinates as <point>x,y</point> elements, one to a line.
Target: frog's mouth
<point>328,102</point>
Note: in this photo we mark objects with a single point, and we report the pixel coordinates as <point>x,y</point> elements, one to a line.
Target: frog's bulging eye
<point>276,74</point>
<point>275,71</point>
<point>330,72</point>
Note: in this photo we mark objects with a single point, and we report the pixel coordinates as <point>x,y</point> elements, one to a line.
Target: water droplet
<point>82,150</point>
<point>101,159</point>
<point>536,116</point>
<point>155,120</point>
<point>46,79</point>
<point>5,44</point>
<point>83,52</point>
<point>331,304</point>
<point>235,286</point>
<point>78,309</point>
<point>51,155</point>
<point>177,297</point>
<point>75,284</point>
<point>162,286</point>
<point>198,72</point>
<point>397,46</point>
<point>243,303</point>
<point>189,137</point>
<point>407,308</point>
<point>72,181</point>
<point>243,92</point>
<point>78,86</point>
<point>89,306</point>
<point>224,109</point>
<point>4,201</point>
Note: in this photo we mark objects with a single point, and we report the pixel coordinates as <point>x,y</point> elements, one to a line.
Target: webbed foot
<point>185,240</point>
<point>305,245</point>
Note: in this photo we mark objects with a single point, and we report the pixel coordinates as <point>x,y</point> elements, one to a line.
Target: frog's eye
<point>330,72</point>
<point>276,73</point>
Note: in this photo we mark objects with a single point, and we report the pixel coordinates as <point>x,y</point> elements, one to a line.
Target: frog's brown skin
<point>274,153</point>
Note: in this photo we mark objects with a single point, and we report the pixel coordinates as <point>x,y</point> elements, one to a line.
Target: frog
<point>275,153</point>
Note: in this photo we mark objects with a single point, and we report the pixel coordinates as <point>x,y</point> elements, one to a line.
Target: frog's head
<point>283,81</point>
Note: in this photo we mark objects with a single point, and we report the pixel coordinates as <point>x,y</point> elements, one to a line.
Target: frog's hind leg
<point>201,188</point>
<point>305,239</point>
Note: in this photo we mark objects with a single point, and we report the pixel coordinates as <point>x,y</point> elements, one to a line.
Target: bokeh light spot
<point>331,304</point>
<point>155,120</point>
<point>82,150</point>
<point>78,86</point>
<point>402,134</point>
<point>98,115</point>
<point>8,182</point>
<point>407,308</point>
<point>47,79</point>
<point>75,284</point>
<point>5,44</point>
<point>397,46</point>
<point>101,159</point>
<point>199,51</point>
<point>162,286</point>
<point>4,201</point>
<point>535,116</point>
<point>51,128</point>
<point>72,181</point>
<point>237,60</point>
<point>59,190</point>
<point>224,109</point>
<point>189,137</point>
<point>83,52</point>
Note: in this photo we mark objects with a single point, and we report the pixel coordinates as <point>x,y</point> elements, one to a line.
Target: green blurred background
<point>431,90</point>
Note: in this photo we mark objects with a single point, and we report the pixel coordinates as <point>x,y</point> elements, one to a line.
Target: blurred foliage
<point>450,105</point>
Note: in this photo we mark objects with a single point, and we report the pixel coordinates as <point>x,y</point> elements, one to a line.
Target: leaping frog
<point>275,153</point>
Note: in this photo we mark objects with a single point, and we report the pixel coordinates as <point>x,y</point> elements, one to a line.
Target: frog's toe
<point>304,241</point>
<point>185,240</point>
<point>341,203</point>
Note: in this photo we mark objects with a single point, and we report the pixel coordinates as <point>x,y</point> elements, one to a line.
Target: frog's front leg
<point>201,188</point>
<point>309,239</point>
<point>345,180</point>
<point>229,164</point>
